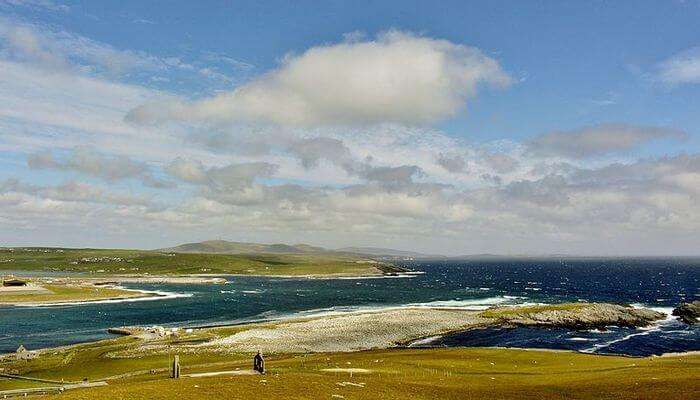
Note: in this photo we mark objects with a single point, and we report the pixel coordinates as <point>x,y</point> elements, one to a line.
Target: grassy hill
<point>379,251</point>
<point>141,262</point>
<point>226,247</point>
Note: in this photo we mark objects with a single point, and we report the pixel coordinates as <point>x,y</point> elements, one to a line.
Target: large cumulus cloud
<point>397,77</point>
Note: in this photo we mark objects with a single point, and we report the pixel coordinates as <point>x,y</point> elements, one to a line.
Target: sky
<point>504,127</point>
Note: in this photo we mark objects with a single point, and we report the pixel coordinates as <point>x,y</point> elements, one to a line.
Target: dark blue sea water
<point>657,283</point>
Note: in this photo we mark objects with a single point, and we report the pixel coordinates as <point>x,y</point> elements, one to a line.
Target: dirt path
<point>49,389</point>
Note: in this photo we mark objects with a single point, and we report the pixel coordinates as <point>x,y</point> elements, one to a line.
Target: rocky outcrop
<point>391,269</point>
<point>575,315</point>
<point>688,312</point>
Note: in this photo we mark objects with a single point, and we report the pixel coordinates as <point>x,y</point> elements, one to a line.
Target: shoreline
<point>389,327</point>
<point>200,278</point>
<point>146,295</point>
<point>155,279</point>
<point>672,354</point>
<point>340,275</point>
<point>326,332</point>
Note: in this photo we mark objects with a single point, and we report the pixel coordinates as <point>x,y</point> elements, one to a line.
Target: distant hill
<point>378,251</point>
<point>226,247</point>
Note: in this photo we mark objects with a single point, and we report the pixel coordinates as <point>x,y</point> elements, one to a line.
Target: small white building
<point>23,354</point>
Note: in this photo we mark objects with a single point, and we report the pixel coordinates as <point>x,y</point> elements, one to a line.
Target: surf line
<point>642,331</point>
<point>153,295</point>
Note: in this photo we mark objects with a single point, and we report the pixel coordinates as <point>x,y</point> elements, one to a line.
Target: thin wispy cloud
<point>682,68</point>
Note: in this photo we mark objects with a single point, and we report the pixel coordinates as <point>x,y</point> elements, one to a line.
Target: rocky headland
<point>688,312</point>
<point>574,315</point>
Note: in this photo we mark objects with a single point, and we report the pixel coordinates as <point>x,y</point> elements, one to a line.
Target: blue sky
<point>572,58</point>
<point>540,124</point>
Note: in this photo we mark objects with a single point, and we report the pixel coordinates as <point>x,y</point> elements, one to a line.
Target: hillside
<point>226,247</point>
<point>106,262</point>
<point>378,251</point>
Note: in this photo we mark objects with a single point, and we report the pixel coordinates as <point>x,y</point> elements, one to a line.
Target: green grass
<point>500,312</point>
<point>467,373</point>
<point>61,293</point>
<point>105,262</point>
<point>458,373</point>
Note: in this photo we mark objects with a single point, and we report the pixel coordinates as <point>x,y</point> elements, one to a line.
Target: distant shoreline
<point>145,295</point>
<point>200,278</point>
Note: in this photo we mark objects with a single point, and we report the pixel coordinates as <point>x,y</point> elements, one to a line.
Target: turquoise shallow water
<point>659,283</point>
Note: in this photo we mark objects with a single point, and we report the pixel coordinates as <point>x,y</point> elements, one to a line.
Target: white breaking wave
<point>422,342</point>
<point>155,295</point>
<point>665,310</point>
<point>471,304</point>
<point>643,331</point>
<point>402,275</point>
<point>598,331</point>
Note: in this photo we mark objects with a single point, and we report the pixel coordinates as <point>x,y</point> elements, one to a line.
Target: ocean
<point>659,283</point>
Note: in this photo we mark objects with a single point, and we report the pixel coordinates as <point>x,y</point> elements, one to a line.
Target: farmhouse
<point>24,355</point>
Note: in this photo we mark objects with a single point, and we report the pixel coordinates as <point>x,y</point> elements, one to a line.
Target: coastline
<point>194,279</point>
<point>134,295</point>
<point>388,327</point>
<point>329,330</point>
<point>204,278</point>
<point>378,275</point>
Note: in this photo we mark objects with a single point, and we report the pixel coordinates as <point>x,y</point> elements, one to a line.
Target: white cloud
<point>400,175</point>
<point>72,191</point>
<point>398,77</point>
<point>229,177</point>
<point>311,150</point>
<point>55,49</point>
<point>36,5</point>
<point>452,163</point>
<point>501,163</point>
<point>42,110</point>
<point>88,161</point>
<point>597,140</point>
<point>681,68</point>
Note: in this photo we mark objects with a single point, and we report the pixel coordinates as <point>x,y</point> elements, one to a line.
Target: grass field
<point>500,312</point>
<point>66,293</point>
<point>109,262</point>
<point>396,374</point>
